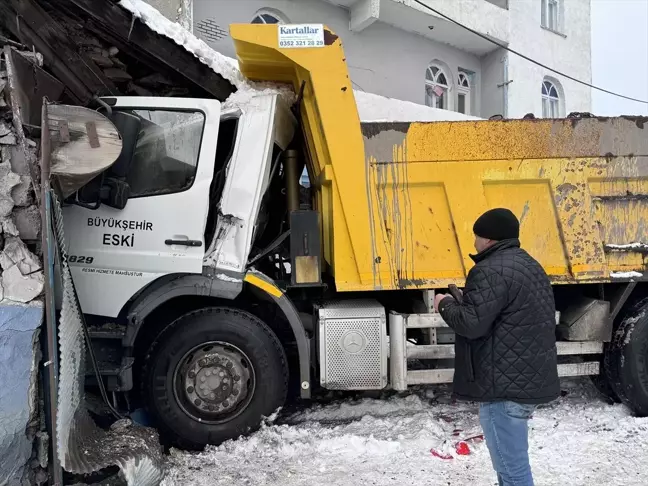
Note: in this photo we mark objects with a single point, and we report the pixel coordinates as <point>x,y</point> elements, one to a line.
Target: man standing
<point>505,349</point>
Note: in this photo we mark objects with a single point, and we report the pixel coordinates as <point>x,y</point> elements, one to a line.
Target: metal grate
<point>210,30</point>
<point>346,309</point>
<point>353,347</point>
<point>83,447</point>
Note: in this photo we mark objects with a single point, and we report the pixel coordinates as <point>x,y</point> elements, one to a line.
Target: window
<point>165,157</point>
<point>550,100</point>
<point>463,93</point>
<point>269,16</point>
<point>437,87</point>
<point>550,14</point>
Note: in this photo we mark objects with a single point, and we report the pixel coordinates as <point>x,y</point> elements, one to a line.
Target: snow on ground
<point>578,440</point>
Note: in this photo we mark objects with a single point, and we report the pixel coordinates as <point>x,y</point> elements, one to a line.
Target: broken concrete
<point>21,288</point>
<point>28,223</point>
<point>21,281</point>
<point>19,352</point>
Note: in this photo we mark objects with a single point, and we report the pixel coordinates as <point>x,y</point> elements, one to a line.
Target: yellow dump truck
<point>232,286</point>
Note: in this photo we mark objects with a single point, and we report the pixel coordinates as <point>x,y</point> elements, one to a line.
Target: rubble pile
<point>22,276</point>
<point>23,442</point>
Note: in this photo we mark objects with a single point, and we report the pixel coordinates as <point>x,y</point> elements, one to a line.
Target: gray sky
<point>620,55</point>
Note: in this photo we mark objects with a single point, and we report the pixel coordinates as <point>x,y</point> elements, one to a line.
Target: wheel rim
<point>214,382</point>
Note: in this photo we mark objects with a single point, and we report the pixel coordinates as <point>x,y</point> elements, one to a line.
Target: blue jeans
<point>506,430</point>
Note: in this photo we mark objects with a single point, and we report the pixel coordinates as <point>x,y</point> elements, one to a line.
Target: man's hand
<point>437,300</point>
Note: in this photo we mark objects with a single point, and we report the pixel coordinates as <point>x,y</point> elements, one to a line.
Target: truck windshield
<point>165,158</point>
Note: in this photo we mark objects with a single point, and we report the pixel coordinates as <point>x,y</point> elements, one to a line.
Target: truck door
<point>115,253</point>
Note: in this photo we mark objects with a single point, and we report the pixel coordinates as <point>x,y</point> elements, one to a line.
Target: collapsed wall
<point>23,459</point>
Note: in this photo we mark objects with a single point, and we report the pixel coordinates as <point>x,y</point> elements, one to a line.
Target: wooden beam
<point>118,25</point>
<point>33,26</point>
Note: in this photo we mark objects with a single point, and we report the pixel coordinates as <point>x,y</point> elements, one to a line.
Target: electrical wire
<point>499,44</point>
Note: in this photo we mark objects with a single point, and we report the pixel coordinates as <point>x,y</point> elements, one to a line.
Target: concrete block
<point>22,193</point>
<point>8,139</point>
<point>20,159</point>
<point>22,278</point>
<point>21,288</point>
<point>15,252</point>
<point>28,222</point>
<point>19,358</point>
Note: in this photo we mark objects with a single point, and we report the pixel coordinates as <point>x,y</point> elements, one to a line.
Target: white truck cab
<point>196,173</point>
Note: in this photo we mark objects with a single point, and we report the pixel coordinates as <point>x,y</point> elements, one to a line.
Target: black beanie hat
<point>497,224</point>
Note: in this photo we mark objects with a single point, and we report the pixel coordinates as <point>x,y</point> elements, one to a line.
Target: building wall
<point>382,59</point>
<point>385,60</point>
<point>176,10</point>
<point>569,52</point>
<point>492,88</point>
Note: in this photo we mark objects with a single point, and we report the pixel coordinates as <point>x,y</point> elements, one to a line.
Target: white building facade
<point>400,49</point>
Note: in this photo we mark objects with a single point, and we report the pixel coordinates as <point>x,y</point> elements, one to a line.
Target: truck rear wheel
<point>212,375</point>
<point>626,359</point>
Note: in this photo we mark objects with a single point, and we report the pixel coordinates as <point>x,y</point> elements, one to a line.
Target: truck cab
<point>195,174</point>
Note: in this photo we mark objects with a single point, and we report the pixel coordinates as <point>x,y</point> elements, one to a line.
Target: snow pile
<point>626,274</point>
<point>223,65</point>
<point>376,108</point>
<point>578,440</point>
<point>629,246</point>
<point>174,31</point>
<point>356,409</point>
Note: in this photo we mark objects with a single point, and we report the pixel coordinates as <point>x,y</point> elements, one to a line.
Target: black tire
<point>625,359</point>
<point>603,386</point>
<point>183,425</point>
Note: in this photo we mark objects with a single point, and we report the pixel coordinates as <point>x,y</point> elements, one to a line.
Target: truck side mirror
<point>129,127</point>
<point>115,193</point>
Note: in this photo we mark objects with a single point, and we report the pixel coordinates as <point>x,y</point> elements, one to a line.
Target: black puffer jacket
<point>506,343</point>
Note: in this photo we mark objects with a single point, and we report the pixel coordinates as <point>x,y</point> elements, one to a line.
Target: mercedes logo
<point>354,342</point>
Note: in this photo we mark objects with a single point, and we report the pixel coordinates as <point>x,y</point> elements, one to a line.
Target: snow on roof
<point>220,64</point>
<point>376,108</point>
<point>371,107</point>
<point>174,31</point>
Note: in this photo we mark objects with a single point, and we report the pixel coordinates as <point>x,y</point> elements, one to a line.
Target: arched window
<point>437,86</point>
<point>550,99</point>
<point>269,16</point>
<point>463,93</point>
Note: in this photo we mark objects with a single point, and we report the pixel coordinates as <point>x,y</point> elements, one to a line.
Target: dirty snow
<point>227,278</point>
<point>627,246</point>
<point>578,440</point>
<point>627,327</point>
<point>626,275</point>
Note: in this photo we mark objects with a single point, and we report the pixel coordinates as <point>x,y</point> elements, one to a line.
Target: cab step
<point>114,367</point>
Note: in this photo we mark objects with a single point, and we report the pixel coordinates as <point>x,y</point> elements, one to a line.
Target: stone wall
<point>23,459</point>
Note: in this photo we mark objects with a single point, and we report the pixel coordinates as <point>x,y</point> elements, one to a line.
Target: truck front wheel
<point>212,375</point>
<point>626,359</point>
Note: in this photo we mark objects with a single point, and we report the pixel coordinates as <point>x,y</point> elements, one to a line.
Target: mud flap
<point>82,446</point>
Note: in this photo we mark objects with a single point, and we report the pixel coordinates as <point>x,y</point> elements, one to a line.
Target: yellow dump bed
<point>398,200</point>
